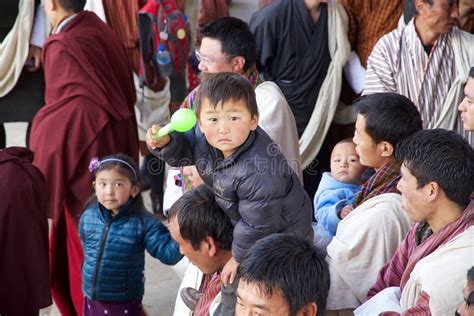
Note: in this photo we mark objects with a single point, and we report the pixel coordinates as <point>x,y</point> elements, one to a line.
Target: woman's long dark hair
<point>137,206</point>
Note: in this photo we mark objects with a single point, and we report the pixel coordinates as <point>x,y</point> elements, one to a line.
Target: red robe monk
<point>24,287</point>
<point>88,113</point>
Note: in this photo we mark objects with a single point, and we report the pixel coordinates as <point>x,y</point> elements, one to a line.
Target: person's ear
<point>387,149</point>
<point>310,309</point>
<point>211,246</point>
<point>52,5</point>
<point>238,64</point>
<point>421,6</point>
<point>254,122</point>
<point>203,131</point>
<point>135,190</point>
<point>433,190</point>
<point>93,185</point>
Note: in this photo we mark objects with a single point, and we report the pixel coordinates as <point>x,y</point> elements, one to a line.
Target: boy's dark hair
<point>235,37</point>
<point>471,72</point>
<point>389,117</point>
<point>75,6</point>
<point>225,86</point>
<point>443,157</point>
<point>200,216</point>
<point>113,162</point>
<point>290,264</point>
<point>470,275</point>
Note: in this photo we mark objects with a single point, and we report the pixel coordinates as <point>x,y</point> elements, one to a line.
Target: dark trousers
<point>3,136</point>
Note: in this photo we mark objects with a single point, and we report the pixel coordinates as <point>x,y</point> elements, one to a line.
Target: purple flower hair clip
<point>94,164</point>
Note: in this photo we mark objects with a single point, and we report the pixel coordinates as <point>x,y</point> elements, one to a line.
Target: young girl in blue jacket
<point>115,230</point>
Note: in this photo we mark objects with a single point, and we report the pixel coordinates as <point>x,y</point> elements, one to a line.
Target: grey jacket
<point>255,186</point>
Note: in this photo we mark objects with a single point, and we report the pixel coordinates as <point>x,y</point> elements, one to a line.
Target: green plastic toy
<point>181,121</point>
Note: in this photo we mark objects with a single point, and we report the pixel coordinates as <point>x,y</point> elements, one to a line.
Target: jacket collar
<point>107,214</point>
<point>222,162</point>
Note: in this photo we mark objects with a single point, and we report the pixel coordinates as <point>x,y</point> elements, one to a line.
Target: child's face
<point>369,152</point>
<point>345,164</point>
<point>113,189</point>
<point>226,127</point>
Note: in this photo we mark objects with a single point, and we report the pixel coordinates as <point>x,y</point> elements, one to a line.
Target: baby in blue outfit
<point>336,190</point>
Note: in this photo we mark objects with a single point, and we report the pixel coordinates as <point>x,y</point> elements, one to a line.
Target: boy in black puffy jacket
<point>251,179</point>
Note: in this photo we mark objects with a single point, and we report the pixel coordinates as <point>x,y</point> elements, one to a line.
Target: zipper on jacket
<point>103,239</point>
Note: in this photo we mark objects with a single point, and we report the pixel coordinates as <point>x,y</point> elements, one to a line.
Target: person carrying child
<point>115,229</point>
<point>336,191</point>
<point>251,179</point>
<point>372,231</point>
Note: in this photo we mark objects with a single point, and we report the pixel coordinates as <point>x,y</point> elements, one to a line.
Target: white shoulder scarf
<point>14,48</point>
<point>339,49</point>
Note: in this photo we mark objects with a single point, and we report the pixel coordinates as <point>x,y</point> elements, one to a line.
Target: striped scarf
<point>384,180</point>
<point>211,286</point>
<point>436,240</point>
<point>397,271</point>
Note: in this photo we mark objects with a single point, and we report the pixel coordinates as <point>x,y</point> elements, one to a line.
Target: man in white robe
<point>368,237</point>
<point>429,266</point>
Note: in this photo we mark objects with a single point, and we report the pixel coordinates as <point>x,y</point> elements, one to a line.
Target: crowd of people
<point>330,170</point>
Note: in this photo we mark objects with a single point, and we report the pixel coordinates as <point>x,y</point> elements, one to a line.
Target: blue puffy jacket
<point>114,252</point>
<point>332,195</point>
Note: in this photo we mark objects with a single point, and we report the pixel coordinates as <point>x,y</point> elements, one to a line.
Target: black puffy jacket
<point>254,186</point>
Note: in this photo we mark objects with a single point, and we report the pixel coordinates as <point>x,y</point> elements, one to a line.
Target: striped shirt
<point>210,287</point>
<point>400,64</point>
<point>122,17</point>
<point>369,20</point>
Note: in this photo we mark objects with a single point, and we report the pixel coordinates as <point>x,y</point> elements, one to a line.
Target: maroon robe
<point>89,112</point>
<point>24,286</point>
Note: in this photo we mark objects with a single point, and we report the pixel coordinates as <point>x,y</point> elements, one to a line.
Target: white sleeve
<point>386,300</point>
<point>96,6</point>
<point>355,73</point>
<point>40,28</point>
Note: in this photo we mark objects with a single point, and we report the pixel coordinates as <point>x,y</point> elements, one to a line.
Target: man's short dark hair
<point>470,284</point>
<point>470,275</point>
<point>290,264</point>
<point>235,37</point>
<point>443,157</point>
<point>389,117</point>
<point>471,72</point>
<point>199,217</point>
<point>225,86</point>
<point>75,6</point>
